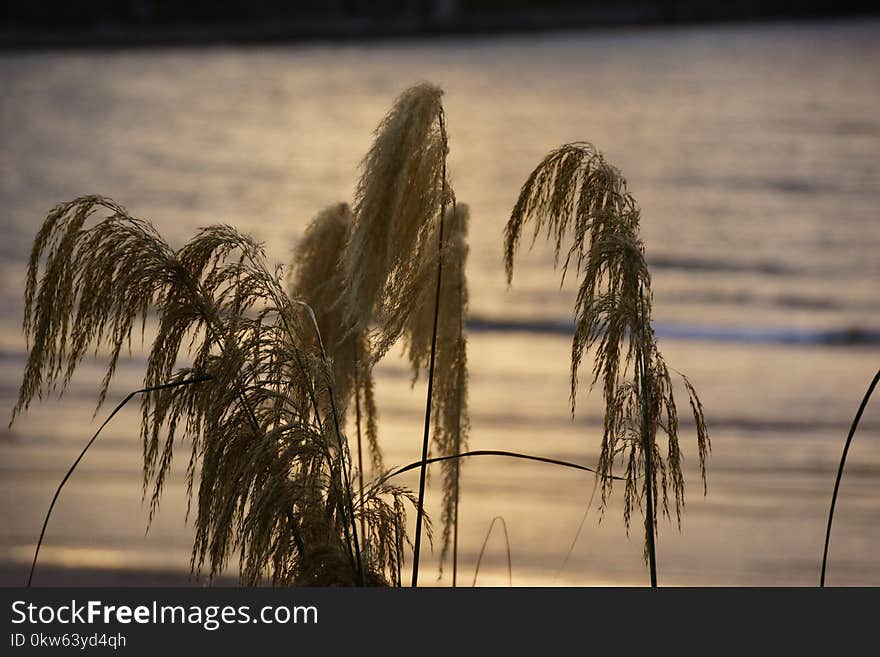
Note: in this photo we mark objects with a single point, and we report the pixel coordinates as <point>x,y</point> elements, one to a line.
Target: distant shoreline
<point>115,36</point>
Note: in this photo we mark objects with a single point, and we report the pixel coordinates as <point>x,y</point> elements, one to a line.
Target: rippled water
<point>753,151</point>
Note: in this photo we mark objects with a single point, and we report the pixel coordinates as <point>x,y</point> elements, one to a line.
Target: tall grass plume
<point>394,250</point>
<point>317,278</point>
<point>269,468</point>
<point>582,205</point>
<point>397,202</point>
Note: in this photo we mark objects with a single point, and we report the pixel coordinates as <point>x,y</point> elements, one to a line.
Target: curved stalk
<point>344,454</point>
<point>424,469</point>
<point>852,432</point>
<point>483,550</point>
<point>488,452</point>
<point>128,398</point>
<point>648,447</point>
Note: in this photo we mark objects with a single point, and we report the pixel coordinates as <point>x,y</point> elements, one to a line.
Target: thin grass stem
<point>647,447</point>
<point>577,534</point>
<point>852,432</point>
<point>357,412</point>
<point>483,550</point>
<point>344,454</point>
<point>489,452</point>
<point>398,546</point>
<point>458,410</point>
<point>455,529</point>
<point>128,398</point>
<point>424,469</point>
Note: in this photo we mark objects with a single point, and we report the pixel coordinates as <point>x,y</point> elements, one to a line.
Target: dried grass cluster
<point>273,467</point>
<point>270,466</point>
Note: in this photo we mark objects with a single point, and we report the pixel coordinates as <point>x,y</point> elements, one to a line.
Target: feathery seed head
<point>317,279</point>
<point>574,194</point>
<point>399,196</point>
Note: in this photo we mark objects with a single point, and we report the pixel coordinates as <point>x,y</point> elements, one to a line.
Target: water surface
<point>754,152</point>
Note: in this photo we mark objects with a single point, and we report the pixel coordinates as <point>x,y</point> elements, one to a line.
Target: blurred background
<point>752,145</point>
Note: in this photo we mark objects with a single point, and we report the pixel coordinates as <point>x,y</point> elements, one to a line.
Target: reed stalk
<point>344,455</point>
<point>493,452</point>
<point>849,438</point>
<point>455,532</point>
<point>647,449</point>
<point>507,548</point>
<point>398,548</point>
<point>458,398</point>
<point>449,413</point>
<point>357,411</point>
<point>420,510</point>
<point>119,406</point>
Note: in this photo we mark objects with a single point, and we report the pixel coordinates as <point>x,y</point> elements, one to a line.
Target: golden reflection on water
<point>753,152</point>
